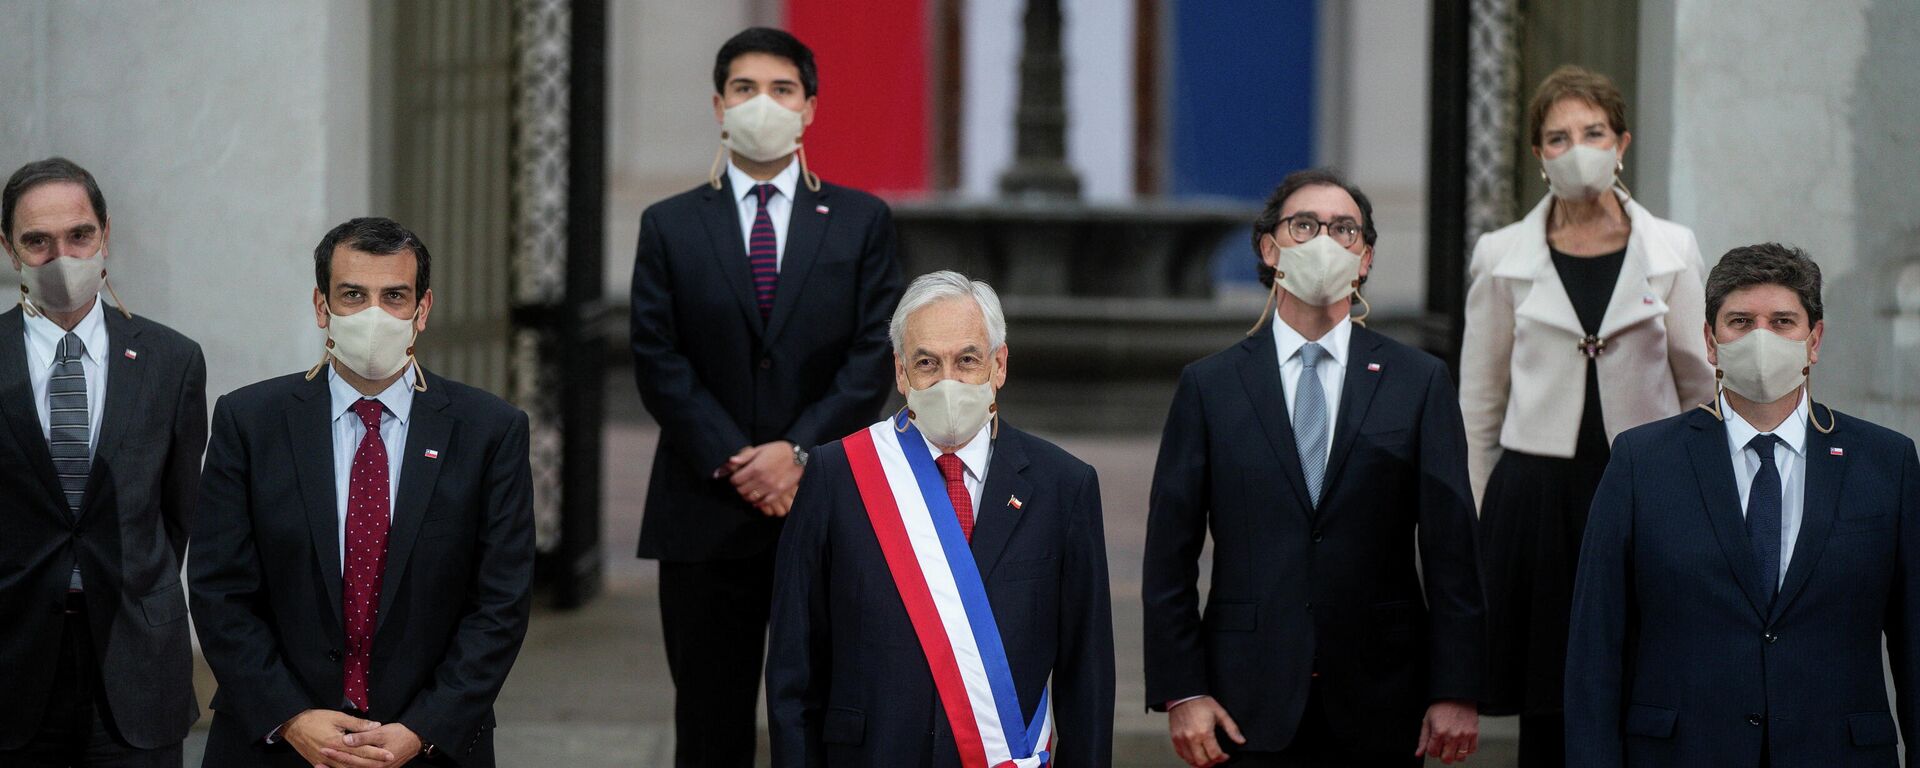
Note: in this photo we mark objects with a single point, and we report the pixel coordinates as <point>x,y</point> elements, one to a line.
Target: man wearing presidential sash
<point>940,593</point>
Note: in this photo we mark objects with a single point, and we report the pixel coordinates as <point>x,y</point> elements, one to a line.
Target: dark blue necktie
<point>1763,513</point>
<point>763,251</point>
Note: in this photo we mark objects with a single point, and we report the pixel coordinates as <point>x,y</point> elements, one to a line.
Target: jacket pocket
<point>844,726</point>
<point>1650,721</point>
<point>164,605</point>
<point>1872,729</point>
<point>1233,617</point>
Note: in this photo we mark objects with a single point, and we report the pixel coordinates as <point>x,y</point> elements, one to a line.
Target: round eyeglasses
<point>1303,227</point>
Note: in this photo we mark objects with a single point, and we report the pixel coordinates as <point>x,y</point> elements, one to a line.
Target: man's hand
<point>765,476</point>
<point>395,739</point>
<point>1450,732</point>
<point>1191,724</point>
<point>319,735</point>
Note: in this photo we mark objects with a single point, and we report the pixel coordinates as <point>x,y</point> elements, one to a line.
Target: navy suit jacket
<point>1676,659</point>
<point>718,379</point>
<point>1296,589</point>
<point>128,538</point>
<point>265,571</point>
<point>847,683</point>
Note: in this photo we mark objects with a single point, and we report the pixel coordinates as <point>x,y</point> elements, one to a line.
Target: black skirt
<point>1531,523</point>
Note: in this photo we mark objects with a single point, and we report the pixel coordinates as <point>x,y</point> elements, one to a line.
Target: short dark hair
<point>371,234</point>
<point>770,41</point>
<point>47,171</point>
<point>1765,264</point>
<point>1269,221</point>
<point>1575,82</point>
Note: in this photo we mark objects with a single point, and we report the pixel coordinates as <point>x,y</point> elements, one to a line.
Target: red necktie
<point>367,521</point>
<point>763,252</point>
<point>954,471</point>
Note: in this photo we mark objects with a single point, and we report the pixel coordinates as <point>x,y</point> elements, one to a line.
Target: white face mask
<point>371,342</point>
<point>64,284</point>
<point>1581,173</point>
<point>1763,366</point>
<point>951,411</point>
<point>1318,271</point>
<point>760,129</point>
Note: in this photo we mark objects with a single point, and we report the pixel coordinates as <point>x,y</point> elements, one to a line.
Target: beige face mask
<point>64,284</point>
<point>951,411</point>
<point>1763,366</point>
<point>371,342</point>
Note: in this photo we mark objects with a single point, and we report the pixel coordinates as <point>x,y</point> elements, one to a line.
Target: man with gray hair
<point>941,589</point>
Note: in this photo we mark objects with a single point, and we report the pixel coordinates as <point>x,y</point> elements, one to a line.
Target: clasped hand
<point>765,475</point>
<point>329,739</point>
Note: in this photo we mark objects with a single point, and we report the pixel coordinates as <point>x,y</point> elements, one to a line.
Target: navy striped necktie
<point>763,251</point>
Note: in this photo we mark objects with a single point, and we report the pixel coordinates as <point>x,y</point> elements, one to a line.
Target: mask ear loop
<point>902,420</point>
<point>806,175</point>
<point>1273,294</point>
<point>325,357</point>
<point>1811,418</point>
<point>1365,308</point>
<point>26,305</point>
<point>719,156</point>
<point>117,303</point>
<point>1719,396</point>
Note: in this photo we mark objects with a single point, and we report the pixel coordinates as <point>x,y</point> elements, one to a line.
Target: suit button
<point>765,363</point>
<point>1753,719</point>
<point>1770,637</point>
<point>333,654</point>
<point>1309,607</point>
<point>1317,536</point>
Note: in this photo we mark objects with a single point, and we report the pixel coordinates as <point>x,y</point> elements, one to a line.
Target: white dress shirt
<point>347,432</point>
<point>973,457</point>
<point>1789,457</point>
<point>1333,370</point>
<point>43,348</point>
<point>779,205</point>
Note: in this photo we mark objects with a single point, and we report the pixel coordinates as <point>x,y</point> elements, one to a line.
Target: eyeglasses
<point>1303,227</point>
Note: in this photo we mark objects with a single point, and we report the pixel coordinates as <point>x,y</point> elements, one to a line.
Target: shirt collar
<point>975,455</point>
<point>784,181</point>
<point>1792,432</point>
<point>45,336</point>
<point>1288,341</point>
<point>398,396</point>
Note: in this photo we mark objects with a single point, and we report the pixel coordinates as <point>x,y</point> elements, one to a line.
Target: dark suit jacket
<point>266,569</point>
<point>718,379</point>
<point>1675,658</point>
<point>1294,589</point>
<point>847,683</point>
<point>128,538</point>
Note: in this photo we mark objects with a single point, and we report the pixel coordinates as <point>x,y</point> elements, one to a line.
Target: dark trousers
<point>77,730</point>
<point>1315,746</point>
<point>1543,740</point>
<point>714,616</point>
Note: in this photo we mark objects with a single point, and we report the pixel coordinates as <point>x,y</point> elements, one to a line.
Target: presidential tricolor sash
<point>937,579</point>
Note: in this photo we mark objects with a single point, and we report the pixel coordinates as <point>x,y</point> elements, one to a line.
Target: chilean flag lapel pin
<point>1836,451</point>
<point>131,355</point>
<point>1373,367</point>
<point>1015,502</point>
<point>819,209</point>
<point>432,454</point>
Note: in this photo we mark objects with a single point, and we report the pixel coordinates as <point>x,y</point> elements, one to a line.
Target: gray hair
<point>944,285</point>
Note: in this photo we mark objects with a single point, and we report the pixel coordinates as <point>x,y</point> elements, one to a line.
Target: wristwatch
<point>428,750</point>
<point>800,455</point>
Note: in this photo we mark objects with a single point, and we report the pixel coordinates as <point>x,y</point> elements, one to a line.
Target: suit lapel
<point>806,229</point>
<point>722,217</point>
<point>1260,374</point>
<point>1713,467</point>
<point>1355,396</point>
<point>310,428</point>
<point>1826,475</point>
<point>1006,481</point>
<point>126,379</point>
<point>430,429</point>
<point>22,413</point>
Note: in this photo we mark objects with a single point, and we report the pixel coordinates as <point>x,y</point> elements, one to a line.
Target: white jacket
<point>1522,375</point>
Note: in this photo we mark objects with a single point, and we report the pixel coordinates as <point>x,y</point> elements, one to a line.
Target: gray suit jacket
<point>128,538</point>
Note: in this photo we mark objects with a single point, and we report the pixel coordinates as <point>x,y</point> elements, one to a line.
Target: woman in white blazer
<point>1583,320</point>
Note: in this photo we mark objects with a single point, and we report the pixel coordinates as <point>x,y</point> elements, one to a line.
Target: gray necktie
<point>1310,420</point>
<point>68,429</point>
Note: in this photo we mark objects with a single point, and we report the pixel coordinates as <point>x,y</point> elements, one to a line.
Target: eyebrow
<point>358,287</point>
<point>751,81</point>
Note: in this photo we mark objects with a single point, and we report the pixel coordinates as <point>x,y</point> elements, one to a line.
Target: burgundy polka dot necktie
<point>953,471</point>
<point>763,252</point>
<point>368,518</point>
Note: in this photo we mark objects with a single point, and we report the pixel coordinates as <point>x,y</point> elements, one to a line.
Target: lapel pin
<point>819,209</point>
<point>432,454</point>
<point>1374,367</point>
<point>1647,300</point>
<point>132,355</point>
<point>1836,451</point>
<point>1015,502</point>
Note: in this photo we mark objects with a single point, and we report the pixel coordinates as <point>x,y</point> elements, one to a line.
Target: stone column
<point>1040,150</point>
